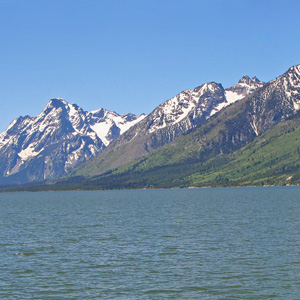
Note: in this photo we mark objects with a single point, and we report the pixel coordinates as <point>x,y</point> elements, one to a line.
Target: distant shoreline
<point>137,189</point>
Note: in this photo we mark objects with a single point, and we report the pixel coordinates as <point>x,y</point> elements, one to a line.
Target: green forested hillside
<point>273,158</point>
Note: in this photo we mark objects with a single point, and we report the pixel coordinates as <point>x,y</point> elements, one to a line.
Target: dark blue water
<point>230,243</point>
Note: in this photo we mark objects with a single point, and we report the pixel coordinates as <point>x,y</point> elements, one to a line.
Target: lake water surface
<point>224,243</point>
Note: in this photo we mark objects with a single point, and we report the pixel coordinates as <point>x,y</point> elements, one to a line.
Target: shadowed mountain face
<point>57,140</point>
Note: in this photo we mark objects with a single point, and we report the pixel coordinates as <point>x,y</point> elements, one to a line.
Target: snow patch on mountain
<point>244,87</point>
<point>102,122</point>
<point>102,129</point>
<point>124,126</point>
<point>29,152</point>
<point>231,96</point>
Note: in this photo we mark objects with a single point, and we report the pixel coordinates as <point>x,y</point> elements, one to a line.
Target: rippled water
<point>230,243</point>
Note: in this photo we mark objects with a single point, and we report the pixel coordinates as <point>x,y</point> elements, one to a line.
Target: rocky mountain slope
<point>62,136</point>
<point>188,110</point>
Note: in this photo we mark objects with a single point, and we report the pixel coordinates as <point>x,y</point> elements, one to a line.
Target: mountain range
<point>197,134</point>
<point>173,118</point>
<point>61,137</point>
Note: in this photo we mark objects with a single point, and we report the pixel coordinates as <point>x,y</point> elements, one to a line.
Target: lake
<point>222,243</point>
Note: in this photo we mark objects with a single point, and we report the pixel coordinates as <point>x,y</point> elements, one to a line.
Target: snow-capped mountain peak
<point>246,86</point>
<point>108,124</point>
<point>295,69</point>
<point>178,108</point>
<point>194,106</point>
<point>290,84</point>
<point>58,139</point>
<point>209,87</point>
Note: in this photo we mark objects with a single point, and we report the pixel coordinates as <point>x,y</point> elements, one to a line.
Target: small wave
<point>25,253</point>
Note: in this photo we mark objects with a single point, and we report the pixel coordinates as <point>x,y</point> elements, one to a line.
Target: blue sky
<point>131,55</point>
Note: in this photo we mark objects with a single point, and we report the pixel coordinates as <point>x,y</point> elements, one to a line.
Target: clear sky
<point>131,55</point>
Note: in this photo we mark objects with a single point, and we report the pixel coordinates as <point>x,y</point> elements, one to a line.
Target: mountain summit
<point>245,86</point>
